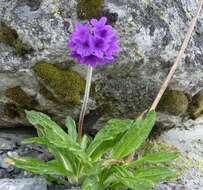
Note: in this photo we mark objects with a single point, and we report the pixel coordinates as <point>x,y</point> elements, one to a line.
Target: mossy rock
<point>155,146</point>
<point>173,102</point>
<point>19,101</point>
<point>47,95</point>
<point>10,37</point>
<point>87,9</point>
<point>22,48</point>
<point>65,85</point>
<point>11,110</point>
<point>196,106</point>
<point>19,97</point>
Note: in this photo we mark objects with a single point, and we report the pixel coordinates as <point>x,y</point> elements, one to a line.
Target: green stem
<point>85,101</point>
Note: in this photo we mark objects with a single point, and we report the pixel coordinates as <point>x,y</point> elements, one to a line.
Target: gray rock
<point>14,148</point>
<point>170,186</point>
<point>23,184</point>
<point>151,33</point>
<point>4,164</point>
<point>189,142</point>
<point>6,144</point>
<point>15,136</point>
<point>43,26</point>
<point>166,122</point>
<point>150,36</point>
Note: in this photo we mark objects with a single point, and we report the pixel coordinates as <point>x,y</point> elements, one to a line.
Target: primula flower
<point>99,23</point>
<point>81,30</point>
<point>104,32</point>
<point>93,43</point>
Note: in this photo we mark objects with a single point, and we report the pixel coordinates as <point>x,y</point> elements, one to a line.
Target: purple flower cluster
<point>93,43</point>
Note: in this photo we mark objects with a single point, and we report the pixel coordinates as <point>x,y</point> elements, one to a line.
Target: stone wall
<point>34,34</point>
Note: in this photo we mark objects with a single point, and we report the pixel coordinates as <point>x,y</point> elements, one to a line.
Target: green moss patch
<point>65,85</point>
<point>10,37</point>
<point>196,106</point>
<point>173,102</point>
<point>18,96</point>
<point>11,110</point>
<point>87,9</point>
<point>19,101</point>
<point>22,48</point>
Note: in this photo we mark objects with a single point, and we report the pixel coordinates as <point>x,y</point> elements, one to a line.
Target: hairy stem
<point>85,101</point>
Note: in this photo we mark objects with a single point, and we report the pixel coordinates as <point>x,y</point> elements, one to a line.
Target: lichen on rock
<point>10,37</point>
<point>87,9</point>
<point>173,102</point>
<point>65,85</point>
<point>196,106</point>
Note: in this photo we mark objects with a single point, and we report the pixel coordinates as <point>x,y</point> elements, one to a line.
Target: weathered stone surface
<point>11,145</point>
<point>165,121</point>
<point>23,184</point>
<point>189,141</point>
<point>150,34</point>
<point>42,27</point>
<point>196,105</point>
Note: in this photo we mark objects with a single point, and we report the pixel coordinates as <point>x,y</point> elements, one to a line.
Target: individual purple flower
<point>105,32</point>
<point>84,46</point>
<point>81,31</point>
<point>93,43</point>
<point>91,60</point>
<point>76,56</point>
<point>99,46</point>
<point>99,23</point>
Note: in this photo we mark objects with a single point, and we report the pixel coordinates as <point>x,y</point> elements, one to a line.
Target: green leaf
<point>92,183</point>
<point>156,175</point>
<point>84,142</point>
<point>38,167</point>
<point>57,139</point>
<point>107,135</point>
<point>136,183</point>
<point>66,160</point>
<point>135,136</point>
<point>106,176</point>
<point>113,128</point>
<point>71,159</point>
<point>128,179</point>
<point>103,148</point>
<point>154,159</point>
<point>52,132</point>
<point>70,124</point>
<point>94,170</point>
<point>38,140</point>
